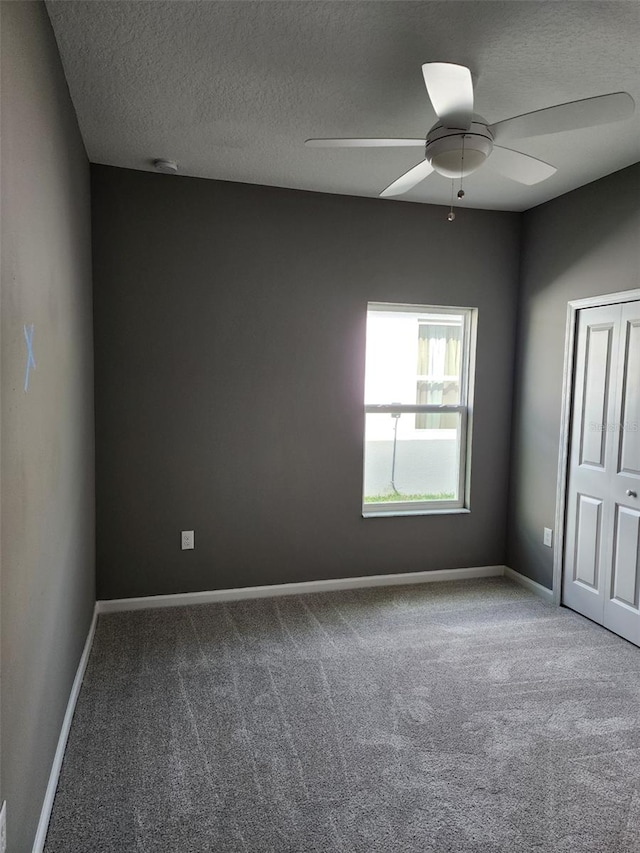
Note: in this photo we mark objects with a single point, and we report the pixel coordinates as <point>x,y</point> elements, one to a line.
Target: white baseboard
<point>532,586</point>
<point>47,806</point>
<point>181,599</point>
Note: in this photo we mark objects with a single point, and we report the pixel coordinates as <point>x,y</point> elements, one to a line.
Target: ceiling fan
<point>461,141</point>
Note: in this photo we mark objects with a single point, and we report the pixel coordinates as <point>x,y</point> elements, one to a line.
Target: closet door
<point>588,543</point>
<point>622,577</point>
<point>601,576</point>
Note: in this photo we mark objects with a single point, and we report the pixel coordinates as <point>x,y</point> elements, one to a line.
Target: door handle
<point>632,494</point>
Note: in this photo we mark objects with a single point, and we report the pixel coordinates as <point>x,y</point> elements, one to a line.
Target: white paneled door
<point>602,546</point>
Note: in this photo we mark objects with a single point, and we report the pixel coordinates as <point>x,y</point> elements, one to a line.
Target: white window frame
<point>464,409</point>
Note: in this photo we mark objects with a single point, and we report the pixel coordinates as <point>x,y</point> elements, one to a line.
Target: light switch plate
<point>548,537</point>
<point>187,540</point>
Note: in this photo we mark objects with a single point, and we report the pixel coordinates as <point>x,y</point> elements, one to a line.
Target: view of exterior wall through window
<point>418,393</point>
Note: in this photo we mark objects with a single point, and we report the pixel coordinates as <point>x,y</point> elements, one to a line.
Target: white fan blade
<point>450,89</point>
<point>407,181</point>
<point>365,143</point>
<point>518,166</point>
<point>572,116</point>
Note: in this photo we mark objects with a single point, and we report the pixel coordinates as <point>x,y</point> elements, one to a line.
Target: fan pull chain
<point>461,191</point>
<point>451,215</point>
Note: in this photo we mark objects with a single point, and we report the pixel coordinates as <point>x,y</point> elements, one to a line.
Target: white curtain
<point>439,351</point>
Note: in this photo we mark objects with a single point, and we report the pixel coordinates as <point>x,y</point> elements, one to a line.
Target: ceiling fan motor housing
<point>455,153</point>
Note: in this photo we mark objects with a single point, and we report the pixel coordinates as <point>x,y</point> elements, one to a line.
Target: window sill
<point>390,514</point>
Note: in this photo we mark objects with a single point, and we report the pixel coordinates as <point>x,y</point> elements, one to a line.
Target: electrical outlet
<point>187,543</point>
<point>3,828</point>
<point>548,537</point>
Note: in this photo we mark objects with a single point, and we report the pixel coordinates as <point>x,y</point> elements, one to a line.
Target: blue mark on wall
<point>31,362</point>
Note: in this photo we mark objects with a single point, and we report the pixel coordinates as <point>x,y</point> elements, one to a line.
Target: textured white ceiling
<point>232,89</point>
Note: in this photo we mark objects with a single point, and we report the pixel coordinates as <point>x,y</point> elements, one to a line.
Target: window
<point>417,409</point>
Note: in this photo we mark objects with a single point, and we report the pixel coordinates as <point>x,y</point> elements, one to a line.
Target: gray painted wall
<point>47,434</point>
<point>582,244</point>
<point>229,335</point>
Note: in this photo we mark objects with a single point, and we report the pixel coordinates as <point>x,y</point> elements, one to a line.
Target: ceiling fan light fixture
<point>457,163</point>
<point>454,154</point>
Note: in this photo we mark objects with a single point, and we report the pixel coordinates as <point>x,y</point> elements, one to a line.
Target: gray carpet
<point>467,717</point>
